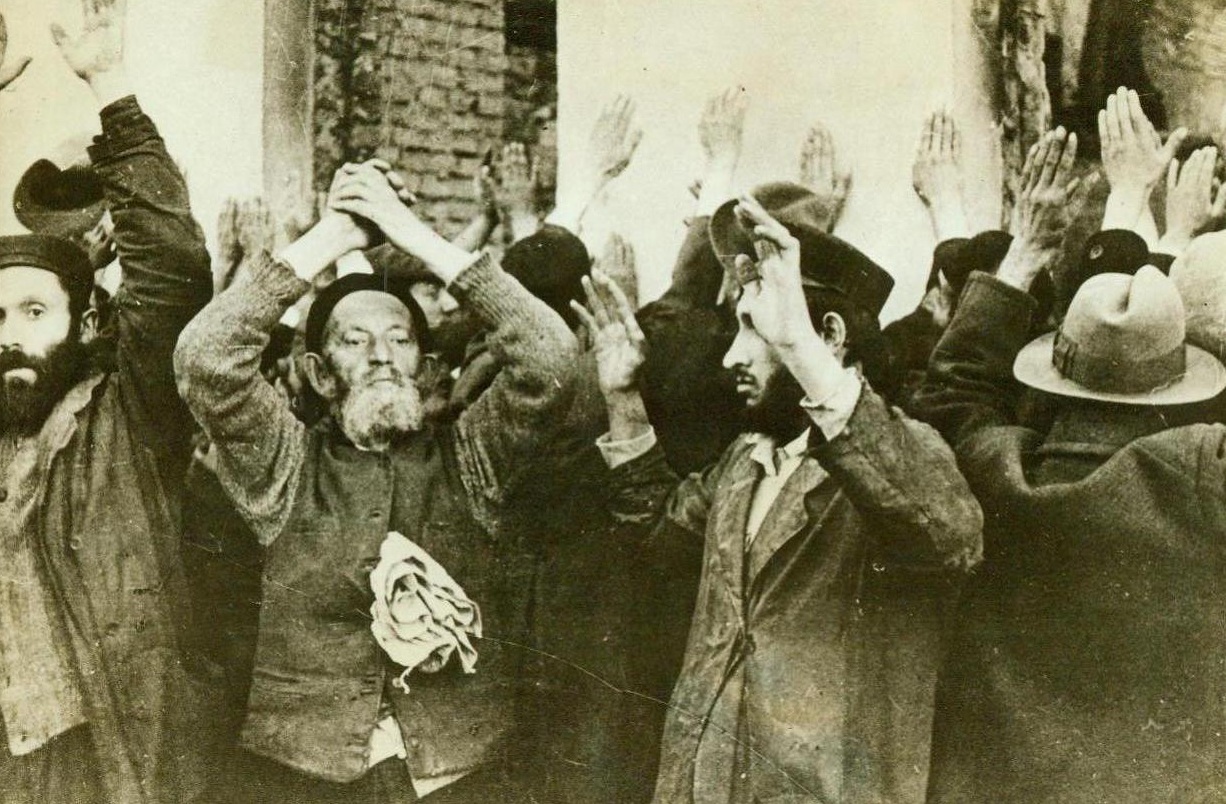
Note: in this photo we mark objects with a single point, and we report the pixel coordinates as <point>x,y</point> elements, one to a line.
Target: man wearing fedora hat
<point>1086,664</point>
<point>836,533</point>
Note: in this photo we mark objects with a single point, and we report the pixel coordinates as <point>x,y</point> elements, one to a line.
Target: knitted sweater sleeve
<point>256,438</point>
<point>510,422</point>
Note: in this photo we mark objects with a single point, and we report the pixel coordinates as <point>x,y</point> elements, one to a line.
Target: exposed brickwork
<point>421,83</point>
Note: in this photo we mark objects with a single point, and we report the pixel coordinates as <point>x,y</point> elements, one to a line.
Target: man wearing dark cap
<point>836,535</point>
<point>100,697</point>
<point>338,710</point>
<point>1086,659</point>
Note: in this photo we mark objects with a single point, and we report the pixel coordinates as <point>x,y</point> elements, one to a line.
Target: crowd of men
<point>381,517</point>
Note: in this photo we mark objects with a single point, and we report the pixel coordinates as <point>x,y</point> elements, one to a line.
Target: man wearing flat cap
<point>836,533</point>
<point>101,698</point>
<point>1087,658</point>
<point>339,711</point>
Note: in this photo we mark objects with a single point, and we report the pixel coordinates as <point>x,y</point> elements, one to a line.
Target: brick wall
<point>421,83</point>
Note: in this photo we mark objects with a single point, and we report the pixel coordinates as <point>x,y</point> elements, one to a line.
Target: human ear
<point>834,333</point>
<point>89,325</point>
<point>319,375</point>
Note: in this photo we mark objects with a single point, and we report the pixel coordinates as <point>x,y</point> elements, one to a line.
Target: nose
<point>380,352</point>
<point>735,356</point>
<point>447,302</point>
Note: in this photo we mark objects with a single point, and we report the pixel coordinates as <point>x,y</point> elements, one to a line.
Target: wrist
<point>627,414</point>
<point>1174,242</point>
<point>323,244</point>
<point>109,85</point>
<point>1023,263</point>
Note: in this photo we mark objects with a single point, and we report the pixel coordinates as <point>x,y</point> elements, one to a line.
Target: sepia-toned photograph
<point>613,401</point>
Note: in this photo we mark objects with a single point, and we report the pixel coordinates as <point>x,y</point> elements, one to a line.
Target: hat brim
<point>1204,378</point>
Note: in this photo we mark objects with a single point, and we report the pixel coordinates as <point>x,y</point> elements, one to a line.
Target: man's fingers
<point>584,316</point>
<point>596,303</point>
<point>1173,142</point>
<point>925,139</point>
<point>1042,147</point>
<point>1172,177</point>
<point>1055,151</point>
<point>1114,131</point>
<point>1219,202</point>
<point>1068,159</point>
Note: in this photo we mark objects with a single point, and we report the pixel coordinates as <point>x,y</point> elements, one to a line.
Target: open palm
<point>99,45</point>
<point>618,342</point>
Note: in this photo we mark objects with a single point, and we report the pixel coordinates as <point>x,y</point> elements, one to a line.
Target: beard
<point>778,413</point>
<point>373,415</point>
<point>24,406</point>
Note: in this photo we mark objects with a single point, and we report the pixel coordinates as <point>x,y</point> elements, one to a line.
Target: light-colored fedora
<point>1200,276</point>
<point>1122,341</point>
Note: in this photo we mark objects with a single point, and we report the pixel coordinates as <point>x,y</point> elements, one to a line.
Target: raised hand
<point>374,193</point>
<point>256,232</point>
<point>1133,153</point>
<point>937,175</point>
<point>10,68</point>
<point>618,263</point>
<point>1191,203</point>
<point>774,299</point>
<point>515,190</point>
<point>721,131</point>
<point>617,340</point>
<point>1044,208</point>
<point>98,48</point>
<point>819,171</point>
<point>722,127</point>
<point>614,139</point>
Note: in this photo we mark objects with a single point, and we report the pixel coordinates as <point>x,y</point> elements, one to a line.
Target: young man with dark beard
<point>97,696</point>
<point>836,536</point>
<point>330,716</point>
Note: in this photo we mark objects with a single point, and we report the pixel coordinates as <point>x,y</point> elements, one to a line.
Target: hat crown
<point>1129,318</point>
<point>1199,274</point>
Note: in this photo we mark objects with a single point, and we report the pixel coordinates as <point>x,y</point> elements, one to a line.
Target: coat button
<point>1096,251</point>
<point>75,542</point>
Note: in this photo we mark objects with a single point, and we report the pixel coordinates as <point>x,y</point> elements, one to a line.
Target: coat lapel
<point>731,516</point>
<point>788,515</point>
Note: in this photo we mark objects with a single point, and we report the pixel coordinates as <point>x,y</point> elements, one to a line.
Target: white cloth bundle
<point>421,616</point>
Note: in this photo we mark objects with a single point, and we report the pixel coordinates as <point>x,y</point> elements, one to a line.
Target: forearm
<point>255,437</point>
<point>1125,207</point>
<point>159,243</point>
<point>217,360</point>
<point>901,473</point>
<point>717,184</point>
<point>528,399</point>
<point>477,233</point>
<point>970,384</point>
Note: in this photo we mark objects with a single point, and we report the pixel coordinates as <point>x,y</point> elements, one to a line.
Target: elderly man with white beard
<point>331,716</point>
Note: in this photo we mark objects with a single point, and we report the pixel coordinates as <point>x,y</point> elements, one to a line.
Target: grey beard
<point>373,416</point>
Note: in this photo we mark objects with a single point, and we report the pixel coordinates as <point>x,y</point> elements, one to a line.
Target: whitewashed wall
<point>870,69</point>
<point>197,67</point>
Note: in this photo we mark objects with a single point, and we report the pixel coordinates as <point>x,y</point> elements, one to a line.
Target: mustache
<point>16,359</point>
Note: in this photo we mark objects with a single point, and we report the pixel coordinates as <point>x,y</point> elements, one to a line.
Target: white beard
<point>372,416</point>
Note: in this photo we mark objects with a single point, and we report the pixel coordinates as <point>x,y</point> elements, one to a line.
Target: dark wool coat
<point>1088,664</point>
<point>105,514</point>
<point>812,657</point>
